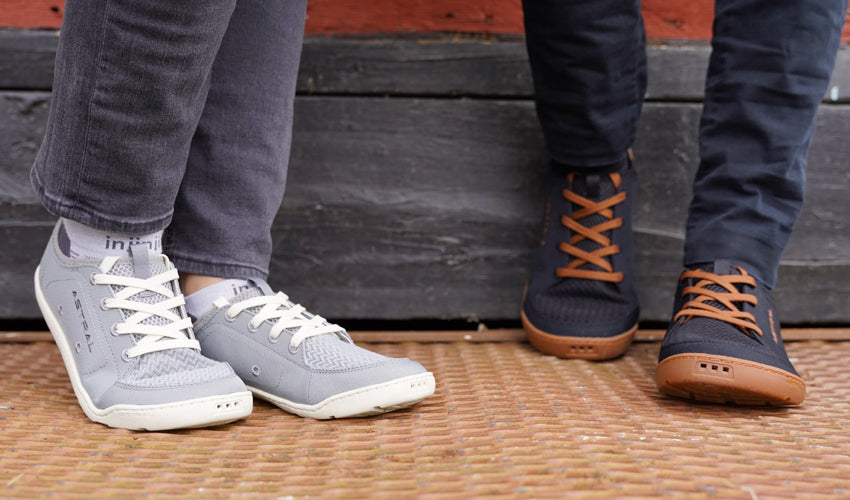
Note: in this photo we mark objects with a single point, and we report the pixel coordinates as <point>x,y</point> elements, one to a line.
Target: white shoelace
<point>286,316</point>
<point>153,337</point>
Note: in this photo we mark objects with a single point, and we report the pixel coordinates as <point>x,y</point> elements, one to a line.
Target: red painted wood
<point>31,13</point>
<point>665,19</point>
<point>414,16</point>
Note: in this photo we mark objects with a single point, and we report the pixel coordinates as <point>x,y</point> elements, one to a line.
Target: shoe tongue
<point>720,267</point>
<point>591,186</point>
<point>142,262</point>
<point>260,288</point>
<point>253,291</point>
<point>143,266</point>
<point>250,293</point>
<point>594,187</point>
<point>723,267</point>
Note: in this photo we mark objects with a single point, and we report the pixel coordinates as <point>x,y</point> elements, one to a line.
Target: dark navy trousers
<point>770,66</point>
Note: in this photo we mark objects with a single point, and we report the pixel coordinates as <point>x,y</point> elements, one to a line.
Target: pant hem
<point>56,206</point>
<point>759,258</point>
<point>229,271</point>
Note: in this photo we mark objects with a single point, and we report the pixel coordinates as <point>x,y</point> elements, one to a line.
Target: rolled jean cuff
<point>591,166</point>
<point>759,258</point>
<point>187,265</point>
<point>87,216</point>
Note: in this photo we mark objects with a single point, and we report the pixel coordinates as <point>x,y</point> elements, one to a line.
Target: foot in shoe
<point>723,344</point>
<point>580,301</point>
<point>302,363</point>
<point>127,344</point>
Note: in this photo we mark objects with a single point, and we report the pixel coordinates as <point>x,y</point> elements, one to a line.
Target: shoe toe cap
<point>580,319</point>
<point>727,342</point>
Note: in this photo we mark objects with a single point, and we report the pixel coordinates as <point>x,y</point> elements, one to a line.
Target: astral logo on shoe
<point>79,307</point>
<point>83,322</point>
<point>546,215</point>
<point>772,325</point>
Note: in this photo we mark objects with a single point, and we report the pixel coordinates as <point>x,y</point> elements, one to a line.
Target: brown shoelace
<point>595,233</point>
<point>706,298</point>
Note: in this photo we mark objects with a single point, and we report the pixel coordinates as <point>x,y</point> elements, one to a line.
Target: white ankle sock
<point>200,302</point>
<point>88,243</point>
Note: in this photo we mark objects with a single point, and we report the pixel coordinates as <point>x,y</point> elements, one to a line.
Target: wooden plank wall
<point>414,185</point>
<point>664,19</point>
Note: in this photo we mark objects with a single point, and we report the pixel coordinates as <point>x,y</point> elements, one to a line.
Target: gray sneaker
<point>303,364</point>
<point>128,345</point>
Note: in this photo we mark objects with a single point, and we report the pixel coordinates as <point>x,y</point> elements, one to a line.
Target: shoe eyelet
<point>273,340</point>
<point>125,356</point>
<point>91,279</point>
<point>293,350</point>
<point>252,328</point>
<point>59,310</point>
<point>78,347</point>
<point>255,371</point>
<point>229,318</point>
<point>103,305</point>
<point>113,330</point>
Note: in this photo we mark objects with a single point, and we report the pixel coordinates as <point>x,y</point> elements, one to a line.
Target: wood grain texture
<point>406,208</point>
<point>663,19</point>
<point>32,13</point>
<point>26,59</point>
<point>453,66</point>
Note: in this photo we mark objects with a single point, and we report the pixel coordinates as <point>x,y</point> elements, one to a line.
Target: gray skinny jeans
<point>175,115</point>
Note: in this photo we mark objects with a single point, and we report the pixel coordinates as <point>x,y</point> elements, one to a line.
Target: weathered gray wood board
<point>469,67</point>
<point>437,66</point>
<point>26,59</point>
<point>404,208</point>
<point>413,191</point>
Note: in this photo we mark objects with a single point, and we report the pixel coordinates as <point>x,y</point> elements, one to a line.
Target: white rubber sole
<point>370,400</point>
<point>200,412</point>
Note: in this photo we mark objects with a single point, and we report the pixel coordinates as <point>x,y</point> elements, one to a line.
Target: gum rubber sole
<point>724,379</point>
<point>199,412</point>
<point>591,348</point>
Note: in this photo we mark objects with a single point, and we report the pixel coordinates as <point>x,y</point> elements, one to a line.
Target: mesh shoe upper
<point>129,341</point>
<point>280,349</point>
<point>327,348</point>
<point>581,282</point>
<point>171,367</point>
<point>722,310</point>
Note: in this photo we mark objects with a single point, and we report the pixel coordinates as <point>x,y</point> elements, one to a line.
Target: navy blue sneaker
<point>580,301</point>
<point>723,343</point>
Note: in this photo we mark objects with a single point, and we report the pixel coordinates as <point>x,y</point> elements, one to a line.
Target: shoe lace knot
<point>588,244</point>
<point>284,316</point>
<point>718,297</point>
<point>152,310</point>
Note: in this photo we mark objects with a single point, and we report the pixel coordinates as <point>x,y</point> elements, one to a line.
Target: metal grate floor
<point>506,422</point>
